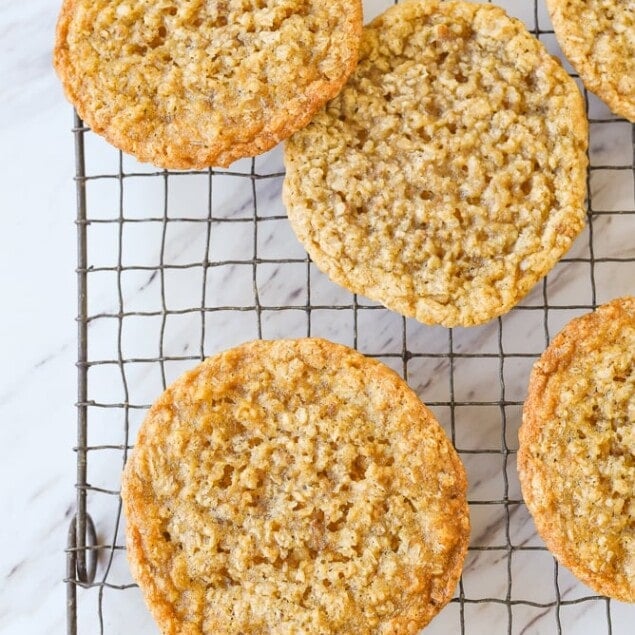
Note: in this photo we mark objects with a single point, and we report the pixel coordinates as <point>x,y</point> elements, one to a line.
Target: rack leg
<point>73,576</point>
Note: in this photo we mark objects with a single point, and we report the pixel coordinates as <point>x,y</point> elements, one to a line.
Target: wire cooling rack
<point>175,266</point>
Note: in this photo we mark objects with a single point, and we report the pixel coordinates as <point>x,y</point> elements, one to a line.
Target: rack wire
<point>253,282</point>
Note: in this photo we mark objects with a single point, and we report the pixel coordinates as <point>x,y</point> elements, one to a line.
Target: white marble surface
<point>37,330</point>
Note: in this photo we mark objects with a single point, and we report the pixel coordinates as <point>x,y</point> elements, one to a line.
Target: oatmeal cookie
<point>294,486</point>
<point>598,38</point>
<point>190,84</point>
<point>576,459</point>
<point>448,176</point>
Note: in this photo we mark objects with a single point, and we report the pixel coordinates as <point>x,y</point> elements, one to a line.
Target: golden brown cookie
<point>448,176</point>
<point>598,38</point>
<point>576,459</point>
<point>190,84</point>
<point>294,486</point>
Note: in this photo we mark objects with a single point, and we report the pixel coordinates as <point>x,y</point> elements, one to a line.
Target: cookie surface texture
<point>598,38</point>
<point>576,459</point>
<point>449,174</point>
<point>191,84</point>
<point>294,486</point>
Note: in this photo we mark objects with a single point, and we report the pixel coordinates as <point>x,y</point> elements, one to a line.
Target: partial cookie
<point>294,486</point>
<point>191,84</point>
<point>449,174</point>
<point>598,38</point>
<point>576,459</point>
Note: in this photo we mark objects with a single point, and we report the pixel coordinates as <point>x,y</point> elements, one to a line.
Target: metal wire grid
<point>91,554</point>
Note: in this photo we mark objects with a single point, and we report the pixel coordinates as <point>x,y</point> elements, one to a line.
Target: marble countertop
<point>178,313</point>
